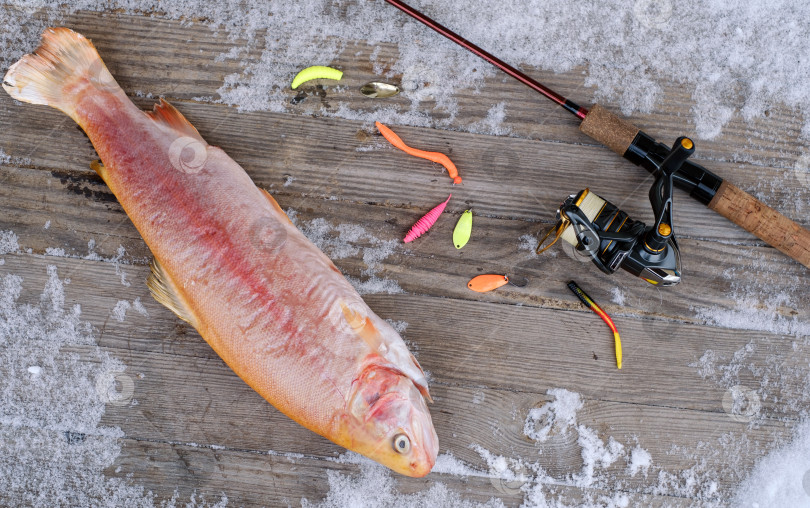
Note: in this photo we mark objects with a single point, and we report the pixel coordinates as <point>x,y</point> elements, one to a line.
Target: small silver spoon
<point>379,90</point>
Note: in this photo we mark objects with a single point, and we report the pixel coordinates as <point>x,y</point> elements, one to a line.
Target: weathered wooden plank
<point>182,399</point>
<point>301,145</point>
<point>82,209</point>
<point>178,60</point>
<point>256,479</point>
<point>503,177</point>
<point>498,346</point>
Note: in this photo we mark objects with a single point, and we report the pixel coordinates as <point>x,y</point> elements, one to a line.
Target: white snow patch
<point>53,389</point>
<point>348,240</point>
<point>8,243</point>
<point>51,427</point>
<point>493,123</point>
<point>782,478</point>
<point>119,312</point>
<point>748,315</point>
<point>640,461</point>
<point>559,415</point>
<point>595,455</point>
<point>617,296</point>
<point>375,487</point>
<point>139,308</point>
<point>529,243</point>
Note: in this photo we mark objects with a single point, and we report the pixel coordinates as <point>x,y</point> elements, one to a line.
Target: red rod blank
<point>569,106</point>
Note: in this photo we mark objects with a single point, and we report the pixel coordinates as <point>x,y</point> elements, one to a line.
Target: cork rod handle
<point>609,129</point>
<point>763,221</point>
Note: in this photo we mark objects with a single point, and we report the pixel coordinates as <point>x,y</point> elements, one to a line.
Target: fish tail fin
<point>51,75</point>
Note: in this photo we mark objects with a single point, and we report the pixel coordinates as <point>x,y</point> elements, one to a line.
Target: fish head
<point>390,422</point>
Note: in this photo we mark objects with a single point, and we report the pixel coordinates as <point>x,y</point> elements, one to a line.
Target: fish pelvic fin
<point>165,292</point>
<point>167,115</point>
<point>53,74</point>
<point>99,168</point>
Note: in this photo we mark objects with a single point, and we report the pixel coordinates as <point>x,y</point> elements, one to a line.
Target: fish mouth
<point>429,443</point>
<point>421,425</point>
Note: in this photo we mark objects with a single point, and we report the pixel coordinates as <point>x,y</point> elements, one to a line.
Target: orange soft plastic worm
<point>436,157</point>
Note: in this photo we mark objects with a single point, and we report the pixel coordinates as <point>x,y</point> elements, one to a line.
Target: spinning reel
<point>614,240</point>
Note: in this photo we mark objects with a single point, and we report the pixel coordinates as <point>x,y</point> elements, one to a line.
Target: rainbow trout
<point>228,261</point>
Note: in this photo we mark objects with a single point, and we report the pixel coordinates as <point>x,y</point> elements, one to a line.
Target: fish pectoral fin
<point>275,205</point>
<point>165,292</point>
<point>166,114</point>
<point>394,352</point>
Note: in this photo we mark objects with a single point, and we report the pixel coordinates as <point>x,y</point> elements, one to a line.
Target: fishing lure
<point>315,72</point>
<point>426,222</point>
<point>489,281</point>
<point>436,157</point>
<point>461,235</point>
<point>588,301</point>
<point>379,90</point>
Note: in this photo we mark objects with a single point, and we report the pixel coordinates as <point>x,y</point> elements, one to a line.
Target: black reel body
<point>613,240</point>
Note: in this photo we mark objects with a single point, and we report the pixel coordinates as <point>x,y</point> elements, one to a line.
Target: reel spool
<point>613,240</point>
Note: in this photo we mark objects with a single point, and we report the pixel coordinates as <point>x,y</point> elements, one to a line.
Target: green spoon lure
<point>461,235</point>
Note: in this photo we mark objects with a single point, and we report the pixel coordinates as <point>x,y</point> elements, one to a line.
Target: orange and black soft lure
<point>588,301</point>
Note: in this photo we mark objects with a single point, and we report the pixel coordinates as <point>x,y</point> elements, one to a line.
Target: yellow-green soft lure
<point>461,235</point>
<point>315,72</point>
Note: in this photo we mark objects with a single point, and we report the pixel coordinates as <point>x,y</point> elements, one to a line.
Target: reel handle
<point>724,198</point>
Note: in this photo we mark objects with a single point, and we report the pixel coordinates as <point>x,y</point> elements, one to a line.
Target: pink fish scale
<point>426,222</point>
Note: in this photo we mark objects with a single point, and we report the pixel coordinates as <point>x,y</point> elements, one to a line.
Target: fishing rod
<point>643,150</point>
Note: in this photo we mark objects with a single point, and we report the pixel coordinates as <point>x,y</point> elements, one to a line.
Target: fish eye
<point>402,444</point>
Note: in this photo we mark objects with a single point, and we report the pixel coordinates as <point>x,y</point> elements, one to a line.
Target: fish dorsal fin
<point>275,205</point>
<point>165,292</point>
<point>166,114</point>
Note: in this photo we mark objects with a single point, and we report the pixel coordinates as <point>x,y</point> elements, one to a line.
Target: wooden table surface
<point>491,357</point>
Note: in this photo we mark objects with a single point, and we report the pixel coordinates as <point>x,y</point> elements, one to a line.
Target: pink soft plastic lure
<point>426,222</point>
